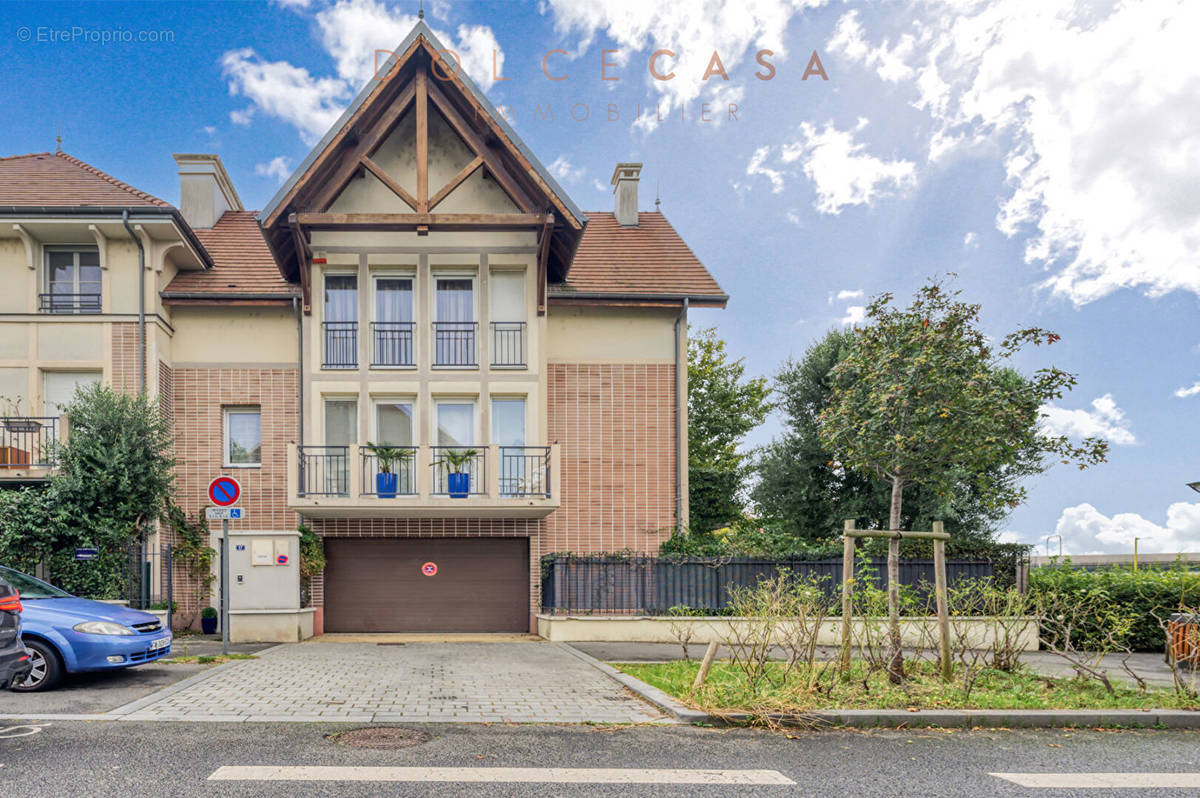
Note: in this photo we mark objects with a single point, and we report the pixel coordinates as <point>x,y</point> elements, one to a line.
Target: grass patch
<point>205,659</point>
<point>727,690</point>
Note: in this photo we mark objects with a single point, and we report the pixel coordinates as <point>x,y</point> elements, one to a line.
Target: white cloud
<point>599,186</point>
<point>1184,393</point>
<point>1096,106</point>
<point>209,130</point>
<point>970,241</point>
<point>296,4</point>
<point>350,31</point>
<point>855,314</point>
<point>1104,420</point>
<point>845,294</point>
<point>692,29</point>
<point>1085,530</point>
<point>242,117</point>
<point>841,171</point>
<point>793,218</point>
<point>278,167</point>
<point>562,169</point>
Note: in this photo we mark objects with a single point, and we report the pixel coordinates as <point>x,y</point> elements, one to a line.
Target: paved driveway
<point>523,682</point>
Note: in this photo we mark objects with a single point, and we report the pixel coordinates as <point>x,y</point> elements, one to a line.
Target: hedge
<point>1148,594</point>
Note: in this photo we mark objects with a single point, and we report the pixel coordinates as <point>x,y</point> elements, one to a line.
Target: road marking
<point>1102,780</point>
<point>485,775</point>
<point>19,731</point>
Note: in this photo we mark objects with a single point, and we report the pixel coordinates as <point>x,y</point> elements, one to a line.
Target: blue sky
<point>1047,153</point>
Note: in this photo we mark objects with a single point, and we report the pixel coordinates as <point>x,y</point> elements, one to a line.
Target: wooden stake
<point>705,664</point>
<point>847,580</point>
<point>939,575</point>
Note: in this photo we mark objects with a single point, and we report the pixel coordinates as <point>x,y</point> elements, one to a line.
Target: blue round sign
<point>224,491</point>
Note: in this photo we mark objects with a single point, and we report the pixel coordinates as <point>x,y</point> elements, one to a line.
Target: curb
<point>982,718</point>
<point>183,684</point>
<point>658,698</point>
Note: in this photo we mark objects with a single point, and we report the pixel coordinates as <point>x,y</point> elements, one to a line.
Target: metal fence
<point>454,343</point>
<point>324,470</point>
<point>341,345</point>
<point>508,343</point>
<point>404,470</point>
<point>27,441</point>
<point>651,584</point>
<point>392,343</point>
<point>524,471</point>
<point>476,467</point>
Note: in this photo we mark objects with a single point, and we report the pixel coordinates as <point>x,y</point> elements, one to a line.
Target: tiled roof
<point>55,179</point>
<point>649,259</point>
<point>242,262</point>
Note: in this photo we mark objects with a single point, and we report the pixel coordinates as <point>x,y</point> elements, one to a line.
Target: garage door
<point>380,585</point>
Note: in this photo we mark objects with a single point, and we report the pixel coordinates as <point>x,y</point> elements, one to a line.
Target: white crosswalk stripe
<point>1083,781</point>
<point>496,775</point>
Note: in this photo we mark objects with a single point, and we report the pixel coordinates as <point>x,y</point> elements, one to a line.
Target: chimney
<point>625,182</point>
<point>205,190</point>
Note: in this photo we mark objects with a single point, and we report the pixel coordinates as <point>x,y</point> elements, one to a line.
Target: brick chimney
<point>205,190</point>
<point>625,191</point>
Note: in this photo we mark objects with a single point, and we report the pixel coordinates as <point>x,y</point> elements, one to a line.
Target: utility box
<point>264,589</point>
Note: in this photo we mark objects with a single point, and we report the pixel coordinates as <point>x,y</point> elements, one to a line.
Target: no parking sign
<point>429,569</point>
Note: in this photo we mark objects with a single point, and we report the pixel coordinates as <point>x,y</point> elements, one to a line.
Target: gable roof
<point>401,54</point>
<point>243,266</point>
<point>649,261</point>
<point>56,180</point>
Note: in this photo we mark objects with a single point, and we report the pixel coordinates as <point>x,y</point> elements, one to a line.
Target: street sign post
<point>89,553</point>
<point>224,492</point>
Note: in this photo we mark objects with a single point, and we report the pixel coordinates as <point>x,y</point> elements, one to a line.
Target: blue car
<point>65,634</point>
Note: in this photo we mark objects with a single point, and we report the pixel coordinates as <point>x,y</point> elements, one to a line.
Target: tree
<point>923,399</point>
<point>800,485</point>
<point>112,480</point>
<point>723,406</point>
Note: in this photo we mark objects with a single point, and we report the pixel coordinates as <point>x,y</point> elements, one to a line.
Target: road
<point>166,758</point>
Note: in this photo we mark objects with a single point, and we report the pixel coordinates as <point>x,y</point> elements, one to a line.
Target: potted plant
<point>386,481</point>
<point>208,620</point>
<point>458,481</point>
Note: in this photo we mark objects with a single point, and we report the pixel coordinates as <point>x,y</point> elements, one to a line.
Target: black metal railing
<point>508,344</point>
<point>27,441</point>
<point>324,470</point>
<point>524,471</point>
<point>69,303</point>
<point>404,470</point>
<point>654,584</point>
<point>475,468</point>
<point>341,344</point>
<point>392,343</point>
<point>454,343</point>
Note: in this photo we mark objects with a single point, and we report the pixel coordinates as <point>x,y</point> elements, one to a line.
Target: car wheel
<point>47,668</point>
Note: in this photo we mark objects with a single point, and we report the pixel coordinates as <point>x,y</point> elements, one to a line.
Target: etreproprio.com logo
<point>78,34</point>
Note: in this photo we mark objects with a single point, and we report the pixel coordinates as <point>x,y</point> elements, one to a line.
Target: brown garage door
<point>377,585</point>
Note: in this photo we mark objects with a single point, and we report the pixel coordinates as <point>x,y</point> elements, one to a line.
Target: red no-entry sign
<point>224,491</point>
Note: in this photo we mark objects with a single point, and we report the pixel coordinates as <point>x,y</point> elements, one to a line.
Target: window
<point>58,388</point>
<point>72,280</point>
<point>341,422</point>
<point>455,423</point>
<point>454,322</point>
<point>507,290</point>
<point>332,473</point>
<point>508,422</point>
<point>392,329</point>
<point>340,324</point>
<point>394,422</point>
<point>243,437</point>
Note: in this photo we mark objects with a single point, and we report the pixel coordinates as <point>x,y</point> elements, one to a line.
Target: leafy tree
<point>112,481</point>
<point>922,398</point>
<point>800,484</point>
<point>723,405</point>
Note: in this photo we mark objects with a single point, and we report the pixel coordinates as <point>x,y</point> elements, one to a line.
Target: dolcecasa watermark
<point>447,66</point>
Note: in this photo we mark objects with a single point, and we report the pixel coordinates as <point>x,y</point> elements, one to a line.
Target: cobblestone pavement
<point>527,682</point>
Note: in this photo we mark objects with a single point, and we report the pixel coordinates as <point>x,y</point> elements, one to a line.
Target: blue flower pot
<point>208,626</point>
<point>385,485</point>
<point>459,484</point>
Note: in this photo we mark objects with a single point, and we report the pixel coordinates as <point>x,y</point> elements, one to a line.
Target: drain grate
<point>389,644</point>
<point>380,737</point>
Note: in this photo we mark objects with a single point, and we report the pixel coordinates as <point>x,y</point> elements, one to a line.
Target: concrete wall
<point>218,336</point>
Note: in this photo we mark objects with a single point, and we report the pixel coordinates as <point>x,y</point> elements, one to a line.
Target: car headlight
<point>102,628</point>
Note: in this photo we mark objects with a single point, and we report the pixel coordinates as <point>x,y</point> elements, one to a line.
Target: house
<point>420,283</point>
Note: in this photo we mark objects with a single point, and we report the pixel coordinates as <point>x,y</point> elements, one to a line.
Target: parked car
<point>66,634</point>
<point>14,658</point>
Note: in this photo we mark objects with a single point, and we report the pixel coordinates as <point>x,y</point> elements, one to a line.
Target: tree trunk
<point>896,666</point>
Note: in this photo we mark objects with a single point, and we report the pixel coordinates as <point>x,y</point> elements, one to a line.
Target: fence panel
<point>652,584</point>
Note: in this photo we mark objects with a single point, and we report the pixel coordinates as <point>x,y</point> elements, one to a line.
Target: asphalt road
<point>125,758</point>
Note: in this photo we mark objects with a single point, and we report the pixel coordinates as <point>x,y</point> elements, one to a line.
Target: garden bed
<point>727,690</point>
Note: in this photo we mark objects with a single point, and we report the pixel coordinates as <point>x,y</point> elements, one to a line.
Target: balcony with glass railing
<point>362,481</point>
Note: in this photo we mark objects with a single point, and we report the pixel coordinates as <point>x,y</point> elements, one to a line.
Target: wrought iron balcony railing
<point>454,343</point>
<point>508,344</point>
<point>27,441</point>
<point>392,343</point>
<point>341,345</point>
<point>69,303</point>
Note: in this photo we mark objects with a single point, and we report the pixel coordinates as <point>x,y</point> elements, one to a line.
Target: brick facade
<point>125,355</point>
<point>616,426</point>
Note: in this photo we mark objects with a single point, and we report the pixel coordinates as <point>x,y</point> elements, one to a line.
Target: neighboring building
<point>421,281</point>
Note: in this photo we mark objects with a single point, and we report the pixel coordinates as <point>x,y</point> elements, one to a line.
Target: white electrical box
<point>262,552</point>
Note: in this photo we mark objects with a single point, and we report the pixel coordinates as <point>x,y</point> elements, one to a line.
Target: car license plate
<point>161,642</point>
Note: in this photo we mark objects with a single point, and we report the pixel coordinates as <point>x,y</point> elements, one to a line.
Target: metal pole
<point>1135,542</point>
<point>225,587</point>
<point>170,586</point>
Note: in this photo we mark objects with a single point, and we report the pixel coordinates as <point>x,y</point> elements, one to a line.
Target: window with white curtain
<point>455,299</point>
<point>341,297</point>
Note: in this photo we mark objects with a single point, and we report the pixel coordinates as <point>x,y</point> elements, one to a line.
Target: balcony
<point>341,345</point>
<point>508,344</point>
<point>69,303</point>
<point>454,344</point>
<point>392,344</point>
<point>345,482</point>
<point>27,446</point>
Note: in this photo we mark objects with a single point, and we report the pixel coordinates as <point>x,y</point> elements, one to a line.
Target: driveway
<point>522,682</point>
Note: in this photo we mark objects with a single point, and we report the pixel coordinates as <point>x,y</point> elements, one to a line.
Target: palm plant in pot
<point>387,481</point>
<point>458,480</point>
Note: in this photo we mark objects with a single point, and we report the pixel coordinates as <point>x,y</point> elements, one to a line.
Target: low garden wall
<point>979,633</point>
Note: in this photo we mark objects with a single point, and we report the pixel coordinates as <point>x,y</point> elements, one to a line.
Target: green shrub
<point>1148,595</point>
<point>208,612</point>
